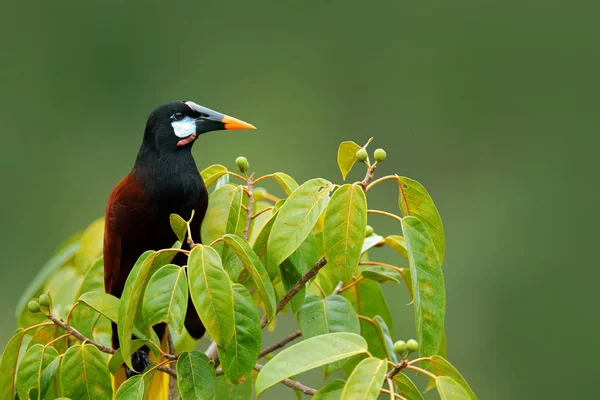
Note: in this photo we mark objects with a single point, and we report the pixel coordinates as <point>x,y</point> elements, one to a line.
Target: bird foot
<point>140,362</point>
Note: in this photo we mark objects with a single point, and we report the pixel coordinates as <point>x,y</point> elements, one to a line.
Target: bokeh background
<point>491,105</point>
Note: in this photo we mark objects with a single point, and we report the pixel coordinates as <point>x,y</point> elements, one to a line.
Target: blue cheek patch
<point>184,127</point>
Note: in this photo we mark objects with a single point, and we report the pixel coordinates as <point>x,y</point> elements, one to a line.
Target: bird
<point>164,180</point>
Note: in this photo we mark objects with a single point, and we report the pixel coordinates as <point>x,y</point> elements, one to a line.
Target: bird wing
<point>123,206</point>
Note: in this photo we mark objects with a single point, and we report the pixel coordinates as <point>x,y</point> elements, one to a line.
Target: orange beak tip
<point>234,123</point>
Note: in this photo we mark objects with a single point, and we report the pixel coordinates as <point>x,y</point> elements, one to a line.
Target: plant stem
<point>421,370</point>
<point>236,175</point>
<point>385,178</point>
<point>392,394</point>
<point>250,206</point>
<point>279,345</point>
<point>262,211</point>
<point>263,177</point>
<point>356,281</point>
<point>387,214</point>
<point>399,367</point>
<point>293,384</point>
<point>296,288</point>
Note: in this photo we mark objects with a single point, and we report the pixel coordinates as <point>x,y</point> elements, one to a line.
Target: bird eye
<point>178,116</point>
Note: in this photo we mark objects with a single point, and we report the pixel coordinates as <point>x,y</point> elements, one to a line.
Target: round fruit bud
<point>242,164</point>
<point>412,345</point>
<point>44,300</point>
<point>369,231</point>
<point>361,155</point>
<point>33,306</point>
<point>399,347</point>
<point>380,155</point>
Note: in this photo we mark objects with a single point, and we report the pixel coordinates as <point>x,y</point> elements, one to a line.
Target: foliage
<point>309,252</point>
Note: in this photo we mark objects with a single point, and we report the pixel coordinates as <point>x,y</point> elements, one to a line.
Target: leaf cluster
<point>305,250</point>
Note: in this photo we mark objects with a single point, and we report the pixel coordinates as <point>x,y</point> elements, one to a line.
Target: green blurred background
<point>491,105</point>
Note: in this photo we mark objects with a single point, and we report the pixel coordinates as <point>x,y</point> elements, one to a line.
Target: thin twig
<point>356,281</point>
<point>264,177</point>
<point>279,345</point>
<point>236,175</point>
<point>421,370</point>
<point>387,214</point>
<point>173,391</point>
<point>296,288</point>
<point>385,178</point>
<point>368,177</point>
<point>261,211</point>
<point>74,332</point>
<point>392,394</point>
<point>338,288</point>
<point>250,208</point>
<point>78,335</point>
<point>323,294</point>
<point>270,197</point>
<point>399,367</point>
<point>211,352</point>
<point>293,384</point>
<point>416,360</point>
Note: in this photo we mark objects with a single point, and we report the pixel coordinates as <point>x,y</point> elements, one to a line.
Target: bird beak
<point>213,121</point>
<point>234,123</point>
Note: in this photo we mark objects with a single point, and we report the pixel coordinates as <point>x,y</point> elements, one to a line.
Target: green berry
<point>33,306</point>
<point>380,155</point>
<point>369,231</point>
<point>44,300</point>
<point>242,164</point>
<point>399,347</point>
<point>412,345</point>
<point>361,155</point>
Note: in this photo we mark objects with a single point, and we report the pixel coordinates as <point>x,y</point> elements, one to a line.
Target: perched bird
<point>164,180</point>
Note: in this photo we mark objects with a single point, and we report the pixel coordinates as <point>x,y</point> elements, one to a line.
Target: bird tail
<point>159,385</point>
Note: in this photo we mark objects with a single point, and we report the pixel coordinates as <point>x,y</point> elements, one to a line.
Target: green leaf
<point>406,387</point>
<point>133,388</point>
<point>308,354</point>
<point>344,231</point>
<point>287,183</point>
<point>367,299</point>
<point>429,294</point>
<point>366,380</point>
<point>332,314</point>
<point>106,304</point>
<point>225,390</point>
<point>166,297</point>
<point>441,367</point>
<point>8,365</point>
<point>332,390</point>
<point>84,374</point>
<point>211,173</point>
<point>195,376</point>
<point>239,357</point>
<point>255,270</point>
<point>35,360</point>
<point>90,246</point>
<point>346,157</point>
<point>296,219</point>
<point>131,299</point>
<point>179,227</point>
<point>93,281</point>
<point>259,222</point>
<point>397,243</point>
<point>212,294</point>
<point>380,274</point>
<point>48,375</point>
<point>449,389</point>
<point>224,215</point>
<point>64,296</point>
<point>260,246</point>
<point>289,276</point>
<point>34,289</point>
<point>370,242</point>
<point>414,200</point>
<point>386,340</point>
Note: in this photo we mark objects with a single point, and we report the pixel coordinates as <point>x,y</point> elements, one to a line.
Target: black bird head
<point>176,125</point>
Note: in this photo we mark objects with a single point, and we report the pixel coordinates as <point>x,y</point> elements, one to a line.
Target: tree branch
<point>399,367</point>
<point>293,384</point>
<point>279,345</point>
<point>109,350</point>
<point>250,208</point>
<point>296,288</point>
